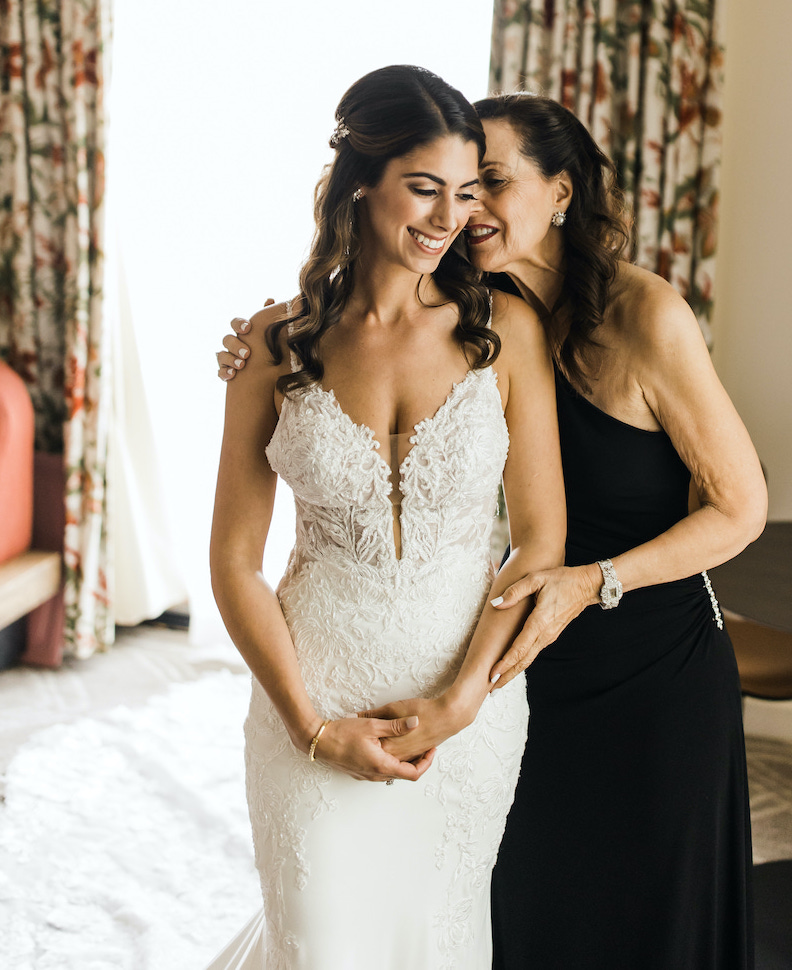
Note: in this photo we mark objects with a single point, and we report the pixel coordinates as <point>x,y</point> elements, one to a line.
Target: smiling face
<point>419,206</point>
<point>516,203</point>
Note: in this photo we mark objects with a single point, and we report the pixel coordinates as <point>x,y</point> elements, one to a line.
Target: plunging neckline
<point>393,477</point>
<point>418,428</point>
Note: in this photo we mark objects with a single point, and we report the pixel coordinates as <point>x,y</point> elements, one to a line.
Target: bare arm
<point>683,391</point>
<point>534,491</point>
<point>249,607</point>
<point>673,368</point>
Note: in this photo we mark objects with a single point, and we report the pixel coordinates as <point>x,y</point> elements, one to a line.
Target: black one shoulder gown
<point>628,845</point>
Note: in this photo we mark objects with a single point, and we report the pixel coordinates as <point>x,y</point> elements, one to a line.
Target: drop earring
<point>558,218</point>
<point>357,195</point>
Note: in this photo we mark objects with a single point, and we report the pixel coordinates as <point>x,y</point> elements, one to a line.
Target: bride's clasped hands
<point>361,748</point>
<point>439,718</point>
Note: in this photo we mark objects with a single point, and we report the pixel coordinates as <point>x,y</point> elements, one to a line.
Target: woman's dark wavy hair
<point>388,113</point>
<point>595,233</point>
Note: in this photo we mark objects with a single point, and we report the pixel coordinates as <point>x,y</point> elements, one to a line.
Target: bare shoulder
<point>651,316</point>
<point>524,365</point>
<point>515,322</point>
<point>268,316</point>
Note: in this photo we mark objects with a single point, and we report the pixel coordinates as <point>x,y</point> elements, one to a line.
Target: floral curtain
<point>646,78</point>
<point>52,62</point>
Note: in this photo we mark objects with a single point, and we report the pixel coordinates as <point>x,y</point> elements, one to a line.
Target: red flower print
<point>46,65</point>
<point>568,86</point>
<point>14,61</point>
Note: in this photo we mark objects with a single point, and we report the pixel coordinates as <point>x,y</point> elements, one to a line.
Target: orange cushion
<point>16,465</point>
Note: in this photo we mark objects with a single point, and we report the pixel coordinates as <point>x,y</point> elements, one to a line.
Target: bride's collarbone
<point>390,403</point>
<point>393,387</point>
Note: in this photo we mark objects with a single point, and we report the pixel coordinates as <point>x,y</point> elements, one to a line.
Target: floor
<point>124,837</point>
<point>144,661</point>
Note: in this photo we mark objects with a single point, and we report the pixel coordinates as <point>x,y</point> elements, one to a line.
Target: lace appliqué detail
<point>477,803</point>
<point>369,627</point>
<point>279,839</point>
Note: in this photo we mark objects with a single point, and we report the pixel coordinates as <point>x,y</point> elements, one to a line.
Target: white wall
<point>753,311</point>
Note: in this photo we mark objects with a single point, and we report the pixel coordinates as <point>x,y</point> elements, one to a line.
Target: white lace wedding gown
<point>359,875</point>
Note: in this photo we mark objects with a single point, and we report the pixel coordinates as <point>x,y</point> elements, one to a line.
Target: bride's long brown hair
<point>386,114</point>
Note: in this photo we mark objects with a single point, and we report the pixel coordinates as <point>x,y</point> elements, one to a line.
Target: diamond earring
<point>558,219</point>
<point>357,195</point>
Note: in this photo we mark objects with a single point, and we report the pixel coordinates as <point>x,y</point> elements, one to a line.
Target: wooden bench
<point>26,582</point>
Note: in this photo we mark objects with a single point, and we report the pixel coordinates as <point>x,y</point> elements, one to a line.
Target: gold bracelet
<point>315,741</point>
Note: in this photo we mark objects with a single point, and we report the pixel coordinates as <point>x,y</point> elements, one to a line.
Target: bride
<point>383,401</point>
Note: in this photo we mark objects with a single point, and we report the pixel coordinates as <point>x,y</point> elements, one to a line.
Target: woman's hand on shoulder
<point>254,354</point>
<point>236,352</point>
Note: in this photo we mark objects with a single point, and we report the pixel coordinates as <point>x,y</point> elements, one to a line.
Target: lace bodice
<point>341,483</point>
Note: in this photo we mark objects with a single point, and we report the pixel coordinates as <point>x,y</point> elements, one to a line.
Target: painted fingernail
<point>412,722</point>
<point>243,353</point>
<point>497,601</point>
<point>495,678</point>
<point>238,363</point>
<point>244,327</point>
<point>230,372</point>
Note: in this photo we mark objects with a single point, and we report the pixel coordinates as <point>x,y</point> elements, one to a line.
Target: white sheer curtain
<point>219,120</point>
<point>147,576</point>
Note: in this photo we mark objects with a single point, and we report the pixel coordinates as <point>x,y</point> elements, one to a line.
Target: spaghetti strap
<point>295,364</point>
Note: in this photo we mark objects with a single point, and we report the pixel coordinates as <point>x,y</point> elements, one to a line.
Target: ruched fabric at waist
<point>681,594</point>
<point>671,609</point>
<point>672,626</point>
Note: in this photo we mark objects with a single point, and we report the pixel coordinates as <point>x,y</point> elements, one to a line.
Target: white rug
<point>124,838</point>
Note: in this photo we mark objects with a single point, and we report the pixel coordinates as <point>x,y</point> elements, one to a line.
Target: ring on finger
<point>390,781</point>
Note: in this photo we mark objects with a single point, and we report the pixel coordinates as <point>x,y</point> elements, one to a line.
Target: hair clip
<point>341,131</point>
